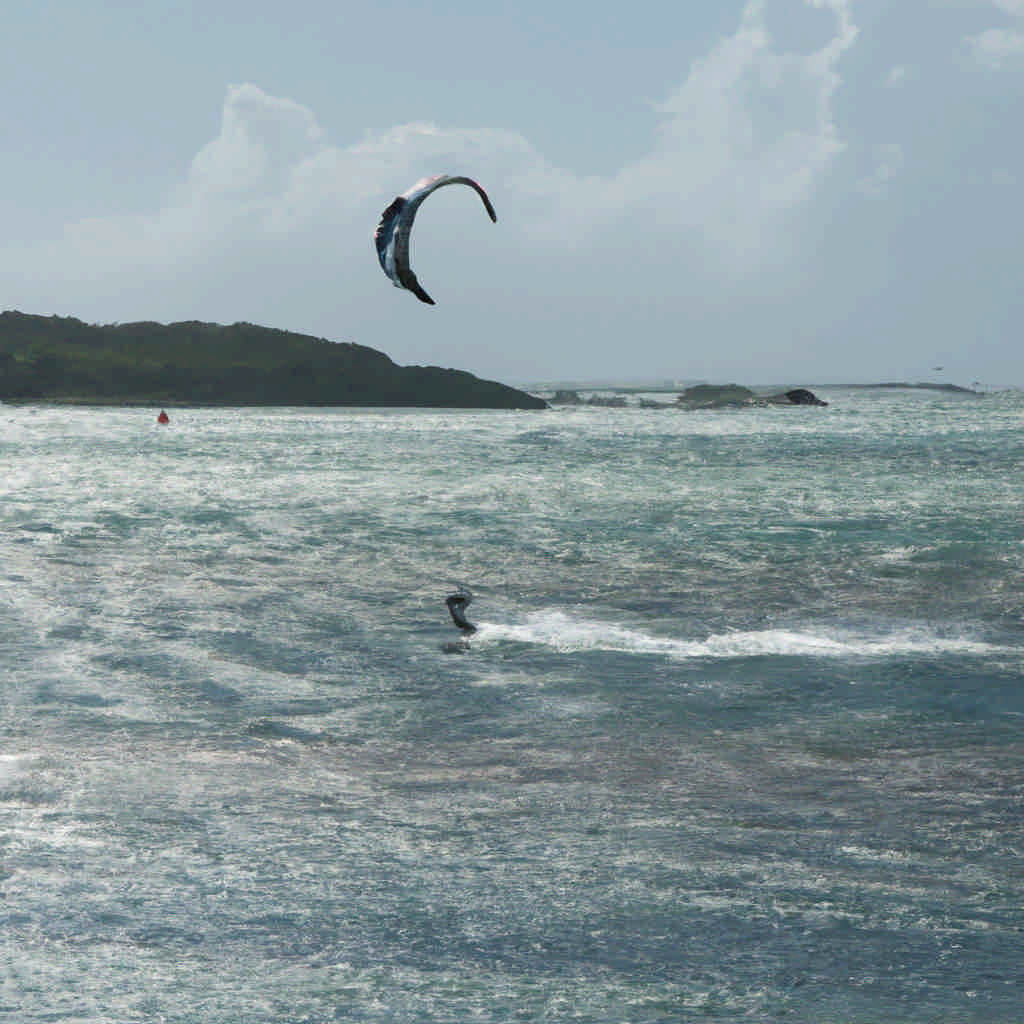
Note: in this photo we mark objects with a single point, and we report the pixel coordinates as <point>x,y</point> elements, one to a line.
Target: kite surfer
<point>457,604</point>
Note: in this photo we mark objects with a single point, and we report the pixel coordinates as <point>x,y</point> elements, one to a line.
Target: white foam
<point>561,632</point>
<point>12,766</point>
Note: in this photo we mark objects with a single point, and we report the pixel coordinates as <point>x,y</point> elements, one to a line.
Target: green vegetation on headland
<point>55,358</point>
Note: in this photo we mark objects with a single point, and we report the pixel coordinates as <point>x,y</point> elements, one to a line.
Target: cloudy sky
<point>794,191</point>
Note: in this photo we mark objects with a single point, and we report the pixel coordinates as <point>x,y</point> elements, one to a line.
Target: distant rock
<point>796,396</point>
<point>609,401</point>
<point>730,396</point>
<point>566,397</point>
<point>715,396</point>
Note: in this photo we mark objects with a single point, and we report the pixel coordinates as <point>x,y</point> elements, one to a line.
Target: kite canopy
<point>395,227</point>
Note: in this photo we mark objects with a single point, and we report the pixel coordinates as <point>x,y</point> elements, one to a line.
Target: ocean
<point>740,735</point>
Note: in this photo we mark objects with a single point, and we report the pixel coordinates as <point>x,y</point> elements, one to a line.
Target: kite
<point>395,227</point>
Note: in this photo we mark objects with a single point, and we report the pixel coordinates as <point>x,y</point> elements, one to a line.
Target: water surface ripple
<point>739,736</point>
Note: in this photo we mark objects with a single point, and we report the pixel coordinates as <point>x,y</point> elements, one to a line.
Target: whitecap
<point>561,632</point>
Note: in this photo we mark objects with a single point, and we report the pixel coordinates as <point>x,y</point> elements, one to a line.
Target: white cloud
<point>998,48</point>
<point>261,138</point>
<point>744,140</point>
<point>889,162</point>
<point>742,143</point>
<point>897,76</point>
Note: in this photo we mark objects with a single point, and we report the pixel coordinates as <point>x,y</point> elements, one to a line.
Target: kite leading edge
<point>395,227</point>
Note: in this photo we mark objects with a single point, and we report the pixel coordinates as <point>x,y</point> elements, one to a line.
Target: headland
<point>63,359</point>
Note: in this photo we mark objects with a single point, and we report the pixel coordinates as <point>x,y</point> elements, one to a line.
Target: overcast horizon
<point>806,191</point>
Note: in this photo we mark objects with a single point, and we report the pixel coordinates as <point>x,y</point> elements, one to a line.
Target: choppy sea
<point>740,735</point>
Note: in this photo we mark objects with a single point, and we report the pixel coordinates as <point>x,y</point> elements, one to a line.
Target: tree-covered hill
<point>208,364</point>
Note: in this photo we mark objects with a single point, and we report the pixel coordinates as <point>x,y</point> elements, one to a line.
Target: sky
<point>776,191</point>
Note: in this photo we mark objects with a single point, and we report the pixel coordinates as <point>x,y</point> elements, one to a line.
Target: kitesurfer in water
<point>457,604</point>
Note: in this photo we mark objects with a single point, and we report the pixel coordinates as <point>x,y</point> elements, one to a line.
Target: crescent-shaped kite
<point>392,234</point>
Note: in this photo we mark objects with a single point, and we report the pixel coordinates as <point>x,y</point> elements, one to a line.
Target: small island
<point>719,396</point>
<point>63,359</point>
<point>699,396</point>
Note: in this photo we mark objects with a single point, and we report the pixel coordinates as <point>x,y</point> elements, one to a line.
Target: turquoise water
<point>739,737</point>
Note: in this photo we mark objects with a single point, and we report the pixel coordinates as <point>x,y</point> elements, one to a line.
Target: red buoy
<point>163,417</point>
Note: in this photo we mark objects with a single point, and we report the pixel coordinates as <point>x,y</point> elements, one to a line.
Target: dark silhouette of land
<point>193,363</point>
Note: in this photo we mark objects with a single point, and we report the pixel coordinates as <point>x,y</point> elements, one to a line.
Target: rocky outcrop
<point>716,396</point>
<point>567,396</point>
<point>796,396</point>
<point>564,396</point>
<point>609,401</point>
<point>727,396</point>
